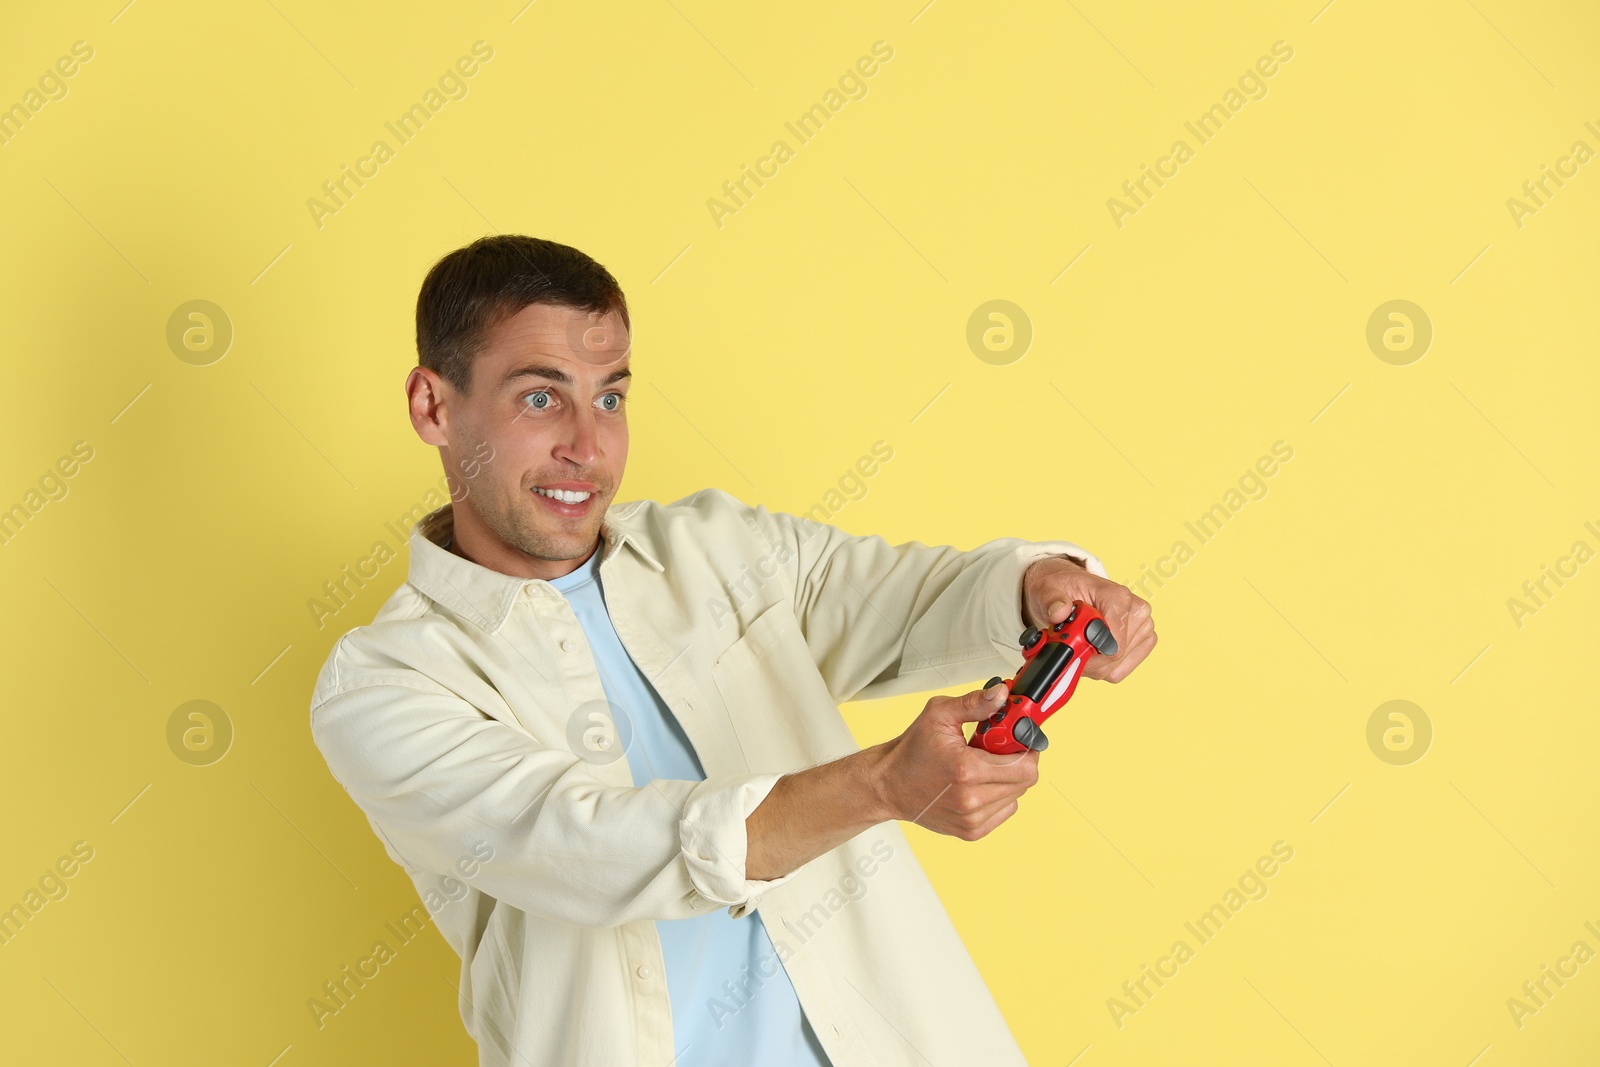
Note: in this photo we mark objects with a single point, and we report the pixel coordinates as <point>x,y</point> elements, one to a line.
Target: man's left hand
<point>1051,584</point>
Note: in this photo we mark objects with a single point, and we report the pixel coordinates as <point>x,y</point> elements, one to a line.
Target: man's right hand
<point>929,775</point>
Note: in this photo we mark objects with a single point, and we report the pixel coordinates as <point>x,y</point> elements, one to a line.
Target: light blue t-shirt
<point>732,1001</point>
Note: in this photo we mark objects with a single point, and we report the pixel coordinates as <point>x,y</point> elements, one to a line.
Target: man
<point>604,742</point>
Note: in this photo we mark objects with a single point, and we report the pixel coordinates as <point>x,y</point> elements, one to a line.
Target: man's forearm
<point>814,810</point>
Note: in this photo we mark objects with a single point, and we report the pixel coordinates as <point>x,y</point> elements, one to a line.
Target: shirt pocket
<point>782,714</point>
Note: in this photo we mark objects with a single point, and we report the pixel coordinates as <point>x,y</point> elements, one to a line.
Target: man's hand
<point>1051,584</point>
<point>929,775</point>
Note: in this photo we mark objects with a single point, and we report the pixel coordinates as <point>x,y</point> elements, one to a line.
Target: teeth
<point>566,496</point>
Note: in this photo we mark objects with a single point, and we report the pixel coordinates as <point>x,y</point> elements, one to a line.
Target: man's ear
<point>425,396</point>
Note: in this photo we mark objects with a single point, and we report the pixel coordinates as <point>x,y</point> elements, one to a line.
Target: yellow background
<point>830,312</point>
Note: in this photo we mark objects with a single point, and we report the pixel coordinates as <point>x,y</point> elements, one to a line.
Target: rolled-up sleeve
<point>883,620</point>
<point>714,843</point>
<point>442,782</point>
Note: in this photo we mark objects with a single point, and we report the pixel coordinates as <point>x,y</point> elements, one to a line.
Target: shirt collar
<point>485,596</point>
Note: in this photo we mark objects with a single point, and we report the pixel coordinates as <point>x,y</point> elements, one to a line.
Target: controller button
<point>1098,634</point>
<point>1030,735</point>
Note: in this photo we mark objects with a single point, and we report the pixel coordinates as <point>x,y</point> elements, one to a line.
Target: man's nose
<point>578,441</point>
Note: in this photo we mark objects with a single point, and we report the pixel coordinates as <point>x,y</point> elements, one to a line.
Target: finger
<point>973,801</point>
<point>1139,645</point>
<point>994,815</point>
<point>1004,768</point>
<point>1129,628</point>
<point>1114,670</point>
<point>969,707</point>
<point>978,806</point>
<point>991,802</point>
<point>1136,656</point>
<point>1104,668</point>
<point>1125,611</point>
<point>1125,631</point>
<point>1135,607</point>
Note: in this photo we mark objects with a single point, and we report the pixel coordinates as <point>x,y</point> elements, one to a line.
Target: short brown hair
<point>470,290</point>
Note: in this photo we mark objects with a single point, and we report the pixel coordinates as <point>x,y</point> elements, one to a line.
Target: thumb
<point>970,707</point>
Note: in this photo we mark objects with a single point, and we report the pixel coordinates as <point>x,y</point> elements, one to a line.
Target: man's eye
<point>620,398</point>
<point>538,400</point>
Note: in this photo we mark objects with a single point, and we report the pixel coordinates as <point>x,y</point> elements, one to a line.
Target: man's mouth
<point>568,500</point>
<point>566,496</point>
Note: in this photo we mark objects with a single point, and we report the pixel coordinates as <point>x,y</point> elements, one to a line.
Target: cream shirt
<point>468,723</point>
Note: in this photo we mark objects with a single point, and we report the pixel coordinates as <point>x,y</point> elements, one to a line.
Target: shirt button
<point>567,645</point>
<point>644,970</point>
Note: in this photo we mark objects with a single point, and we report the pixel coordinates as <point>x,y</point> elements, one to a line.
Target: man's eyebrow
<point>556,374</point>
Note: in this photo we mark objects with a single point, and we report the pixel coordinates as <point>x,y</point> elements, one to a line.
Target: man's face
<point>545,413</point>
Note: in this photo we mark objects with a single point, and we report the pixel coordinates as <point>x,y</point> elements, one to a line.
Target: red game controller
<point>1053,663</point>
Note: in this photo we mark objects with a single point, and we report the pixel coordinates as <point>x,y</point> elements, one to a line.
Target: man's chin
<point>570,535</point>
